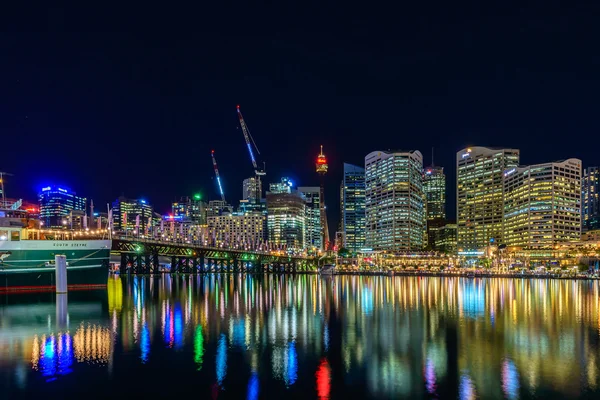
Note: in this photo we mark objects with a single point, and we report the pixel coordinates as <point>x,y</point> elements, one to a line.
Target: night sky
<point>131,101</point>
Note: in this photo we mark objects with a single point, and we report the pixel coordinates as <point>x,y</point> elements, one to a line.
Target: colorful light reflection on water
<point>232,336</point>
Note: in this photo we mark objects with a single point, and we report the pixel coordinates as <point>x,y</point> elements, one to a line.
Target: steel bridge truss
<point>143,257</point>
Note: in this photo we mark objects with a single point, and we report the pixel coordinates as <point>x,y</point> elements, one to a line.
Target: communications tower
<point>322,167</point>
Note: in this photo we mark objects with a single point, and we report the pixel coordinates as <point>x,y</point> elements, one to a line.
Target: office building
<point>312,196</point>
<point>56,205</point>
<point>445,238</point>
<point>190,209</point>
<point>590,203</point>
<point>434,188</point>
<point>352,199</point>
<point>286,218</point>
<point>252,189</point>
<point>243,231</point>
<point>395,216</point>
<point>132,216</point>
<point>217,207</point>
<point>283,186</point>
<point>542,204</point>
<point>479,194</point>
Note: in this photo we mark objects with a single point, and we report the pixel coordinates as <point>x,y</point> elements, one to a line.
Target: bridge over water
<point>143,256</point>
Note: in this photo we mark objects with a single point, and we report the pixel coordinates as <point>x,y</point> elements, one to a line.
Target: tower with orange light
<point>322,167</point>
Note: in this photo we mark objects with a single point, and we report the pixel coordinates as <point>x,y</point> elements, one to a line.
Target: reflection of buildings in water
<point>511,335</point>
<point>510,379</point>
<point>253,387</point>
<point>93,344</point>
<point>466,389</point>
<point>114,290</point>
<point>221,361</point>
<point>199,347</point>
<point>284,363</point>
<point>53,355</point>
<point>323,378</point>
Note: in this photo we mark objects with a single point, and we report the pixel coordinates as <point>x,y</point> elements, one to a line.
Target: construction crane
<point>214,161</point>
<point>251,143</point>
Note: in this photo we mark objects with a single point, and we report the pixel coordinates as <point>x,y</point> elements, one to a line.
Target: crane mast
<point>214,161</point>
<point>250,143</point>
<point>248,139</point>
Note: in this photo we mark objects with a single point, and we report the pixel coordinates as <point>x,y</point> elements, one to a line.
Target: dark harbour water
<point>283,337</point>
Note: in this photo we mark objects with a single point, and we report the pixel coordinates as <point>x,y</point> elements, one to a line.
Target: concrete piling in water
<point>61,274</point>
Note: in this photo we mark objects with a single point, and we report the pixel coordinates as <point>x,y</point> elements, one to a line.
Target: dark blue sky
<point>132,100</point>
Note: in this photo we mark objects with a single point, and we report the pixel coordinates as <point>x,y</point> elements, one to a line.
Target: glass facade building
<point>542,204</point>
<point>252,189</point>
<point>286,220</point>
<point>56,205</point>
<point>445,238</point>
<point>434,189</point>
<point>590,202</point>
<point>312,196</point>
<point>352,195</point>
<point>479,194</point>
<point>126,212</point>
<point>394,201</point>
<point>190,209</point>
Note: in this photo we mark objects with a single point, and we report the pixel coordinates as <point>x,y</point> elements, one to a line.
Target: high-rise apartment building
<point>56,205</point>
<point>542,204</point>
<point>395,216</point>
<point>286,218</point>
<point>252,189</point>
<point>312,196</point>
<point>352,200</point>
<point>479,194</point>
<point>217,207</point>
<point>590,203</point>
<point>243,231</point>
<point>132,214</point>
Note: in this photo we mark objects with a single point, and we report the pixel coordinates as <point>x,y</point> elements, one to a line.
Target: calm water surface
<point>236,336</point>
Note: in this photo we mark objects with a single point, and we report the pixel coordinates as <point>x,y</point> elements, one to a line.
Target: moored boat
<point>27,257</point>
<point>327,269</point>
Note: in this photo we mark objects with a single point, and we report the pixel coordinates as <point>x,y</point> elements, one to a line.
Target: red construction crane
<point>214,161</point>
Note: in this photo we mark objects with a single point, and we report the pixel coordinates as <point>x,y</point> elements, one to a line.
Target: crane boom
<point>214,161</point>
<point>248,138</point>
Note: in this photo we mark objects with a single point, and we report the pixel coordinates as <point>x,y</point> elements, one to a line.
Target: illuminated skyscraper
<point>252,189</point>
<point>542,204</point>
<point>286,217</point>
<point>395,216</point>
<point>312,195</point>
<point>56,205</point>
<point>353,207</point>
<point>434,188</point>
<point>479,194</point>
<point>590,202</point>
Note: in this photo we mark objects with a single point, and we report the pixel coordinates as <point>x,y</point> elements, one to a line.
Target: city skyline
<point>107,107</point>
